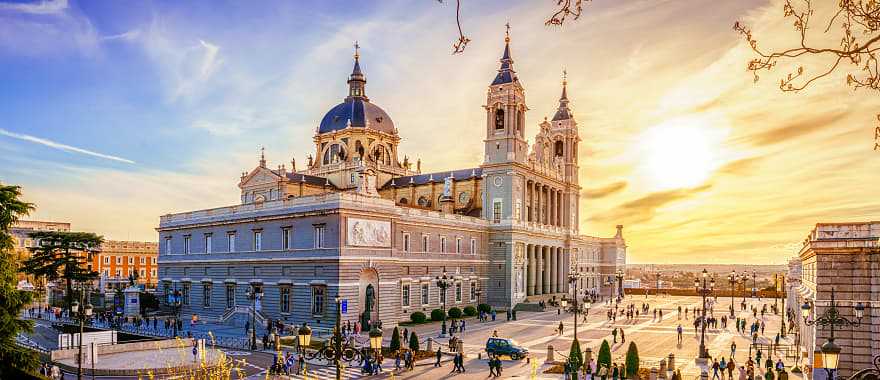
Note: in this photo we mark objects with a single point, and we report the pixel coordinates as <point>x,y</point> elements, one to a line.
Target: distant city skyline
<point>113,114</point>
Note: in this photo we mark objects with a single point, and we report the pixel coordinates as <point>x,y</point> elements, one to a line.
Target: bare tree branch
<point>458,46</point>
<point>567,8</point>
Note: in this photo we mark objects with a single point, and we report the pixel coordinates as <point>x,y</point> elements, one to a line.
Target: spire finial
<point>507,32</point>
<point>357,47</point>
<point>564,75</point>
<point>262,156</point>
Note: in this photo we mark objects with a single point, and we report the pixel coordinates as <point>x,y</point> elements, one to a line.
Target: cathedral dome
<point>360,113</point>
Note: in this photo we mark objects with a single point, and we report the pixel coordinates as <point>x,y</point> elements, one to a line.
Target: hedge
<point>437,315</point>
<point>455,313</point>
<point>418,317</point>
<point>484,307</point>
<point>470,311</point>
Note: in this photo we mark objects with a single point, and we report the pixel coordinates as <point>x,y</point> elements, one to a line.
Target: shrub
<point>413,342</point>
<point>418,317</point>
<point>470,311</point>
<point>484,308</point>
<point>632,361</point>
<point>437,315</point>
<point>604,357</point>
<point>575,357</point>
<point>455,313</point>
<point>395,340</point>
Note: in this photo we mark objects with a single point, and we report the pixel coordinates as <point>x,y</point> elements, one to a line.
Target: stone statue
<point>419,165</point>
<point>447,188</point>
<point>293,164</point>
<point>369,300</point>
<point>310,160</point>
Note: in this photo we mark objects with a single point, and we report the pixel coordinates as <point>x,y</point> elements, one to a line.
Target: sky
<point>114,113</point>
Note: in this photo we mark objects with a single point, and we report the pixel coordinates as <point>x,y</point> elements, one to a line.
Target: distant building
<point>118,260</point>
<point>22,241</point>
<point>844,257</point>
<point>632,284</point>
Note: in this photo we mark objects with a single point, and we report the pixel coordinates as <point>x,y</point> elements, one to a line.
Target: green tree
<point>13,358</point>
<point>413,341</point>
<point>63,255</point>
<point>632,361</point>
<point>395,340</point>
<point>604,358</point>
<point>575,357</point>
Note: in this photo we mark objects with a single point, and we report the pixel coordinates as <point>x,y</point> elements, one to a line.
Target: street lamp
<point>443,282</point>
<point>82,316</point>
<point>743,279</point>
<point>732,279</point>
<point>658,284</point>
<point>754,284</point>
<point>254,294</point>
<point>337,351</point>
<point>175,304</point>
<point>619,275</point>
<point>780,287</point>
<point>704,288</point>
<point>831,318</point>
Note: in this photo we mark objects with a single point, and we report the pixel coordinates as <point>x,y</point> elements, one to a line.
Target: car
<point>505,346</point>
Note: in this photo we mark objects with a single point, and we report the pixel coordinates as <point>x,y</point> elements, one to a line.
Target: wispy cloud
<point>64,147</point>
<point>644,208</point>
<point>604,191</point>
<point>41,7</point>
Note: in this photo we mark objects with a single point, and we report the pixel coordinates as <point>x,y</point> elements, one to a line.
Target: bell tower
<point>505,114</point>
<point>564,129</point>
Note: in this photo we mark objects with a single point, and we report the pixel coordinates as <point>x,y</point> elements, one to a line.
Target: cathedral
<point>361,229</point>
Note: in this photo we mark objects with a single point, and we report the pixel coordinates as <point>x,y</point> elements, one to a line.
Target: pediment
<point>259,176</point>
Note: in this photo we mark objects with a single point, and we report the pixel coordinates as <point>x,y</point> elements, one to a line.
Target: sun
<point>679,153</point>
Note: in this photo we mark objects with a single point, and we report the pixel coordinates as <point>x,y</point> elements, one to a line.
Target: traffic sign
<point>344,306</point>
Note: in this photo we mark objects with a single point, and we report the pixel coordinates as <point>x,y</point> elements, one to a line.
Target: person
<point>493,315</point>
<point>780,366</point>
<point>742,373</point>
<point>715,367</point>
<point>560,328</point>
<point>722,366</point>
<point>768,375</point>
<point>730,366</point>
<point>732,349</point>
<point>680,331</point>
<point>406,335</point>
<point>265,340</point>
<point>614,334</point>
<point>461,328</point>
<point>615,372</point>
<point>622,336</point>
<point>439,355</point>
<point>196,350</point>
<point>301,365</point>
<point>397,358</point>
<point>56,372</point>
<point>379,360</point>
<point>491,363</point>
<point>494,333</point>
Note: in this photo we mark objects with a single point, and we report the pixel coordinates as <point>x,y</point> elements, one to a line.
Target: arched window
<point>520,120</point>
<point>335,153</point>
<point>381,155</point>
<point>559,148</point>
<point>499,119</point>
<point>424,202</point>
<point>403,201</point>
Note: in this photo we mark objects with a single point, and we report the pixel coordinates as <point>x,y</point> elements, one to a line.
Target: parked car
<point>505,346</point>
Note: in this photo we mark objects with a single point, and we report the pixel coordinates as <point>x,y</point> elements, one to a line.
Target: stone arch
<point>368,286</point>
<point>403,201</point>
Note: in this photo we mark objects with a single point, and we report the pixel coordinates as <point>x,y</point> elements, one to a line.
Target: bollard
<point>662,368</point>
<point>653,375</point>
<point>430,347</point>
<point>550,358</point>
<point>704,375</point>
<point>671,361</point>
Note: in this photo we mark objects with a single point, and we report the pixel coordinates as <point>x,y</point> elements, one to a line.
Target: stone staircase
<point>240,316</point>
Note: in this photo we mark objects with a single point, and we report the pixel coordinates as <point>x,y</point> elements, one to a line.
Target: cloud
<point>64,147</point>
<point>37,8</point>
<point>130,35</point>
<point>741,166</point>
<point>798,128</point>
<point>604,191</point>
<point>644,208</point>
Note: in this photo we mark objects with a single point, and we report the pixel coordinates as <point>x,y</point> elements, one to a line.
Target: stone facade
<point>117,260</point>
<point>22,242</point>
<point>359,223</point>
<point>844,257</point>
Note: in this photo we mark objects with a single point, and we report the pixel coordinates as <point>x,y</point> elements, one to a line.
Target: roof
<point>506,74</point>
<point>309,179</point>
<point>356,112</point>
<point>421,179</point>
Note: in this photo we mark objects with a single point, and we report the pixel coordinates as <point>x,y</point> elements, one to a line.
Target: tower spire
<point>262,157</point>
<point>356,81</point>
<point>563,112</point>
<point>506,74</point>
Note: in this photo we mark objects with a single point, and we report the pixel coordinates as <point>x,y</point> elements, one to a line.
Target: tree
<point>63,255</point>
<point>575,357</point>
<point>604,357</point>
<point>395,340</point>
<point>632,361</point>
<point>13,358</point>
<point>413,341</point>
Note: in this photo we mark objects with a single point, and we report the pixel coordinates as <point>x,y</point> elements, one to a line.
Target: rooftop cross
<point>507,32</point>
<point>356,48</point>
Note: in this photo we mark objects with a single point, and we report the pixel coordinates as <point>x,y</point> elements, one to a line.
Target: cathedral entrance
<point>368,298</point>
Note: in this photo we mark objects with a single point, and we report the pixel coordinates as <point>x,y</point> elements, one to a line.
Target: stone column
<point>554,265</point>
<point>530,285</point>
<point>534,202</point>
<point>559,207</point>
<point>552,203</point>
<point>545,263</point>
<point>539,270</point>
<point>544,204</point>
<point>560,270</point>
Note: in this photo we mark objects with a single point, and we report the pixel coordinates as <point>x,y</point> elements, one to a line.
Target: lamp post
<point>175,304</point>
<point>731,278</point>
<point>619,275</point>
<point>658,284</point>
<point>443,282</point>
<point>776,287</point>
<point>754,284</point>
<point>704,288</point>
<point>81,315</point>
<point>781,288</point>
<point>338,351</point>
<point>743,279</point>
<point>831,318</point>
<point>254,295</point>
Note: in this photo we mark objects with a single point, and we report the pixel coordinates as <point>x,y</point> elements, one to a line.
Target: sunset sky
<point>113,113</point>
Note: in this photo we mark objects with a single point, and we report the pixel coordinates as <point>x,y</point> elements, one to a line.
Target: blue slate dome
<point>360,112</point>
<point>356,110</point>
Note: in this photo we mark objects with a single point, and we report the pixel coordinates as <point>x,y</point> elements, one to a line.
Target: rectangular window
<point>118,260</point>
<point>118,273</point>
<point>286,238</point>
<point>406,242</point>
<point>404,293</point>
<point>143,260</point>
<point>206,294</point>
<point>153,272</point>
<point>142,273</point>
<point>230,296</point>
<point>131,260</point>
<point>496,211</point>
<point>167,246</point>
<point>230,242</point>
<point>107,260</point>
<point>443,244</point>
<point>185,293</point>
<point>458,245</point>
<point>319,236</point>
<point>457,292</point>
<point>153,260</point>
<point>318,300</point>
<point>473,246</point>
<point>186,245</point>
<point>425,243</point>
<point>285,299</point>
<point>258,240</point>
<point>209,240</point>
<point>425,299</point>
<point>473,291</point>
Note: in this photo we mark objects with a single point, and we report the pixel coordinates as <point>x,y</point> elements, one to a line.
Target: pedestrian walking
<point>439,355</point>
<point>680,331</point>
<point>732,349</point>
<point>614,334</point>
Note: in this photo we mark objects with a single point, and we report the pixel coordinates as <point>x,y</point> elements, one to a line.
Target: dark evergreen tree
<point>413,341</point>
<point>62,255</point>
<point>632,361</point>
<point>604,358</point>
<point>575,357</point>
<point>395,340</point>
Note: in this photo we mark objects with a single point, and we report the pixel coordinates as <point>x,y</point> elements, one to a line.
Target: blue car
<point>505,346</point>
